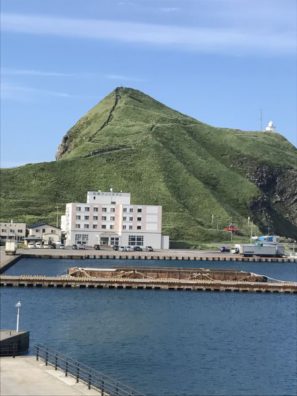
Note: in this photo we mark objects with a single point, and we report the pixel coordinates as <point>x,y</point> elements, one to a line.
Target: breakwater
<point>147,284</point>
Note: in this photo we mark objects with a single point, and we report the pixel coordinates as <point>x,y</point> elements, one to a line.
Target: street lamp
<point>18,306</point>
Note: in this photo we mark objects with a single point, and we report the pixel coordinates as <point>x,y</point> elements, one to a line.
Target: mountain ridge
<point>205,177</point>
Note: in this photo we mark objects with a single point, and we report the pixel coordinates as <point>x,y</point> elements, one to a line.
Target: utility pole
<point>57,207</point>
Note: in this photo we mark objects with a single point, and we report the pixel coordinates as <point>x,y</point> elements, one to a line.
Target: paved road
<point>24,375</point>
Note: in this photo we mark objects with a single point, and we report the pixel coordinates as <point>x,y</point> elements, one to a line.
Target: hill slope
<point>204,177</point>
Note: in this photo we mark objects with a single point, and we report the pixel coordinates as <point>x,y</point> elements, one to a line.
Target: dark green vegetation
<point>204,177</point>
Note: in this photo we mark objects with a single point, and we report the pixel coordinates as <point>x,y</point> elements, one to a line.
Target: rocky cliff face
<point>276,208</point>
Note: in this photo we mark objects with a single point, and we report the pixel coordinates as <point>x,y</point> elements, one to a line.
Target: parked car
<point>224,249</point>
<point>128,248</point>
<point>81,247</point>
<point>31,245</point>
<point>137,249</point>
<point>47,246</point>
<point>97,247</point>
<point>121,248</point>
<point>38,245</point>
<point>149,249</point>
<point>74,247</point>
<point>115,247</point>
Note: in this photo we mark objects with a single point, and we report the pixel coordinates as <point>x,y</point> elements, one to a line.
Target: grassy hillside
<point>204,177</point>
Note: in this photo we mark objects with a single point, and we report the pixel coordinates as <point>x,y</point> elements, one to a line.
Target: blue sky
<point>220,61</point>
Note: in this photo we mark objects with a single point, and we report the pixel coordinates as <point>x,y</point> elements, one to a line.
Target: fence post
<point>46,357</point>
<point>102,388</point>
<point>66,368</point>
<point>37,352</point>
<point>56,362</point>
<point>89,381</point>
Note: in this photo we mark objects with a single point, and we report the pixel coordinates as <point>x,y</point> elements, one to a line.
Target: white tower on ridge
<point>270,127</point>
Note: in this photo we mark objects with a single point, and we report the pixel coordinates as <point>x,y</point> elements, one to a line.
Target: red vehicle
<point>231,228</point>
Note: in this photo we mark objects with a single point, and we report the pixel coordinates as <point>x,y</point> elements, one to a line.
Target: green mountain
<point>204,177</point>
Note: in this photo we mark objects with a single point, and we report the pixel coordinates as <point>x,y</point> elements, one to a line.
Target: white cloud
<point>120,77</point>
<point>22,93</point>
<point>169,9</point>
<point>232,39</point>
<point>35,73</point>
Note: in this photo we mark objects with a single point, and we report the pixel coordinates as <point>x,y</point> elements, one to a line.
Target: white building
<point>270,127</point>
<point>11,230</point>
<point>108,218</point>
<point>46,232</point>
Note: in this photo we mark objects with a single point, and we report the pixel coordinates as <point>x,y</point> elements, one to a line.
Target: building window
<point>112,210</point>
<point>124,227</point>
<point>104,209</point>
<point>81,238</point>
<point>124,218</point>
<point>103,226</point>
<point>43,230</point>
<point>114,240</point>
<point>139,227</point>
<point>139,210</point>
<point>95,226</point>
<point>130,218</point>
<point>86,225</point>
<point>77,225</point>
<point>112,218</point>
<point>78,209</point>
<point>86,217</point>
<point>37,230</point>
<point>111,227</point>
<point>95,209</point>
<point>95,217</point>
<point>103,218</point>
<point>87,209</point>
<point>130,227</point>
<point>135,240</point>
<point>138,218</point>
<point>3,230</point>
<point>125,210</point>
<point>131,210</point>
<point>19,231</point>
<point>78,217</point>
<point>113,202</point>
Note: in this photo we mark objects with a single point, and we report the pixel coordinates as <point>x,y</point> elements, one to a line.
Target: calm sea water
<point>165,342</point>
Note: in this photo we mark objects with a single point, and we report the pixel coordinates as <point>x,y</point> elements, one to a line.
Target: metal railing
<point>92,378</point>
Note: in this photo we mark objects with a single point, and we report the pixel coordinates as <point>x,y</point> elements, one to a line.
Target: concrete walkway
<point>24,376</point>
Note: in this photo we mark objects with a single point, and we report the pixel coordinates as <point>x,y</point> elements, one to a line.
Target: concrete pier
<point>13,343</point>
<point>26,376</point>
<point>148,284</point>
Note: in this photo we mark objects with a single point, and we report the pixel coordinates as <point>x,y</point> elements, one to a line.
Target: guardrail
<point>92,378</point>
